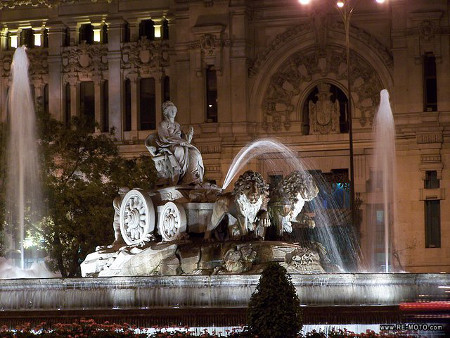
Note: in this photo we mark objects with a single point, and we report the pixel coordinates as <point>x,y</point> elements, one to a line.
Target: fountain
<point>23,194</point>
<point>188,251</point>
<point>384,163</point>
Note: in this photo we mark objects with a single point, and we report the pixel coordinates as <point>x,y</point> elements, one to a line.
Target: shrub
<point>274,308</point>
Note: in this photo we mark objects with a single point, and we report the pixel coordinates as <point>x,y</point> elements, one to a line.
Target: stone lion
<point>299,186</point>
<point>242,211</point>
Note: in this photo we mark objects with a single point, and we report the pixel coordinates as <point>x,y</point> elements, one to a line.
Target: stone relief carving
<point>209,46</point>
<point>37,59</point>
<point>84,61</point>
<point>324,114</point>
<point>34,3</point>
<point>305,28</point>
<point>145,56</point>
<point>283,92</point>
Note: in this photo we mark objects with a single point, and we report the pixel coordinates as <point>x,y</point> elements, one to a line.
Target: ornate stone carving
<point>324,114</point>
<point>35,3</point>
<point>137,217</point>
<point>305,28</point>
<point>283,92</point>
<point>84,61</point>
<point>243,211</point>
<point>239,259</point>
<point>171,221</point>
<point>145,56</point>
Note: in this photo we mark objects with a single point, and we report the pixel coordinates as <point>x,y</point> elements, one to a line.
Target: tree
<point>274,308</point>
<point>82,174</point>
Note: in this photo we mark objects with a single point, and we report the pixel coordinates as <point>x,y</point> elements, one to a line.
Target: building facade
<point>243,70</point>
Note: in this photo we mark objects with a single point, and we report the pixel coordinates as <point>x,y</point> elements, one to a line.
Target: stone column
<point>56,31</point>
<point>74,97</point>
<point>115,81</point>
<point>3,39</point>
<point>98,98</point>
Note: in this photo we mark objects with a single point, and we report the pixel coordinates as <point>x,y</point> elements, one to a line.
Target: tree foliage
<point>274,308</point>
<point>82,172</point>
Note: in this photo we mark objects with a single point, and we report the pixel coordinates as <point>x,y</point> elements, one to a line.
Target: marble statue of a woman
<point>184,164</point>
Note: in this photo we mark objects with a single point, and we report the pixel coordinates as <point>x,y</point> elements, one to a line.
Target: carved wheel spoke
<point>171,221</point>
<point>137,217</point>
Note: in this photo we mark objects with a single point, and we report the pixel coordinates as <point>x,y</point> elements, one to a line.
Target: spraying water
<point>334,238</point>
<point>384,165</point>
<point>23,193</point>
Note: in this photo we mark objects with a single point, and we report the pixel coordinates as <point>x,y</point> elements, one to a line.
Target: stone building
<point>242,70</point>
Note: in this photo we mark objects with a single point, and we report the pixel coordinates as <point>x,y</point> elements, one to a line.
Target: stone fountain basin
<point>217,291</point>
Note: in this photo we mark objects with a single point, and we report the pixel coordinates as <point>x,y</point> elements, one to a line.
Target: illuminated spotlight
<point>380,1</point>
<point>37,39</point>
<point>340,3</point>
<point>157,31</point>
<point>13,41</point>
<point>97,34</point>
<point>304,2</point>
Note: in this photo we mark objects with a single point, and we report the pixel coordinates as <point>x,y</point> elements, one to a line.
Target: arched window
<point>325,110</point>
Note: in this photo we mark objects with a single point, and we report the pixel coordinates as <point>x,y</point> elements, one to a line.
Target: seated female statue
<point>186,164</point>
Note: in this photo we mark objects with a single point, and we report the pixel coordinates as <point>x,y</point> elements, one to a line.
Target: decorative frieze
<point>145,57</point>
<point>429,138</point>
<point>84,61</point>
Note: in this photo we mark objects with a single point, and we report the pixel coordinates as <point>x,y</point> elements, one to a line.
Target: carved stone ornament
<point>35,3</point>
<point>137,217</point>
<point>427,30</point>
<point>84,60</point>
<point>171,221</point>
<point>324,114</point>
<point>294,75</point>
<point>37,60</point>
<point>145,56</point>
<point>303,29</point>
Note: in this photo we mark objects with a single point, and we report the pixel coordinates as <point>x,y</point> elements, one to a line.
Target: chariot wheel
<point>171,221</point>
<point>137,216</point>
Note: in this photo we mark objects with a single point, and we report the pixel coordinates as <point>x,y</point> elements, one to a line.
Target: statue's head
<point>252,185</point>
<point>300,184</point>
<point>168,107</point>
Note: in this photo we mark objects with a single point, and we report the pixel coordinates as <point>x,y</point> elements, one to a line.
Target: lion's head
<point>300,184</point>
<point>252,185</point>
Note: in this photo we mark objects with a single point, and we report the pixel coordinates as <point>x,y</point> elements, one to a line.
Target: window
<point>127,94</point>
<point>126,32</point>
<point>87,33</point>
<point>147,112</point>
<point>431,180</point>
<point>165,29</point>
<point>27,38</point>
<point>429,82</point>
<point>45,103</point>
<point>87,103</point>
<point>66,37</point>
<point>67,105</point>
<point>433,224</point>
<point>105,106</point>
<point>211,94</point>
<point>104,34</point>
<point>45,38</point>
<point>147,29</point>
<point>166,89</point>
